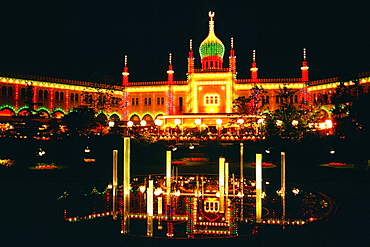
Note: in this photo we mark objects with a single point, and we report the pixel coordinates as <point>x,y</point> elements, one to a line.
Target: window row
<point>44,94</point>
<point>147,101</point>
<point>6,91</point>
<point>211,100</point>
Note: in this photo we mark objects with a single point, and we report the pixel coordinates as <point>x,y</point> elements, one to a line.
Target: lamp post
<point>219,123</point>
<point>198,122</point>
<point>129,126</point>
<point>158,123</point>
<point>240,122</point>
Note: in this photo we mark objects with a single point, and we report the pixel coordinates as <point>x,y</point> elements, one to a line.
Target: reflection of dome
<point>211,46</point>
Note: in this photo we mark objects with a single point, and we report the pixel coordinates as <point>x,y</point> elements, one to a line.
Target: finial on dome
<point>304,54</point>
<point>254,56</point>
<point>170,58</point>
<point>211,14</point>
<point>125,60</point>
<point>232,43</point>
<point>191,44</point>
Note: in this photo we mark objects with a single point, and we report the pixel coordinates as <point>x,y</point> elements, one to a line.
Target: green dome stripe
<point>211,49</point>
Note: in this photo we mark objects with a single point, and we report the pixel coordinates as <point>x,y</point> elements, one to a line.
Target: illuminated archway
<point>135,119</point>
<point>149,120</point>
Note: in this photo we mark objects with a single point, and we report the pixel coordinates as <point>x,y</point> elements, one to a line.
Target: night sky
<point>74,39</point>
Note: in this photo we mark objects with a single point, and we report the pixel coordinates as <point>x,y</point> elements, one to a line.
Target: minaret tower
<point>305,96</point>
<point>191,58</point>
<point>232,58</point>
<point>254,69</point>
<point>170,98</point>
<point>125,74</point>
<point>125,97</point>
<point>170,70</point>
<point>211,49</point>
<point>304,68</point>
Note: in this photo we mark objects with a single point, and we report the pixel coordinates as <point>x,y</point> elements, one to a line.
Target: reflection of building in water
<point>199,214</point>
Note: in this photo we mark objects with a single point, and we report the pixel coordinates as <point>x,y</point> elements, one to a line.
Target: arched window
<point>295,98</point>
<point>61,96</point>
<point>41,93</point>
<point>10,91</point>
<point>211,100</point>
<point>145,101</point>
<point>216,100</point>
<point>180,104</point>
<point>207,100</point>
<point>133,101</point>
<point>277,98</point>
<point>149,101</point>
<point>76,97</point>
<point>46,94</point>
<point>72,97</point>
<point>3,91</point>
<point>23,92</point>
<point>267,99</point>
<point>162,101</point>
<point>158,101</point>
<point>137,101</point>
<point>56,95</point>
<point>211,64</point>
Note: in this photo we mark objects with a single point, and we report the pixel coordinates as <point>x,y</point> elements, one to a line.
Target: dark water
<point>31,215</point>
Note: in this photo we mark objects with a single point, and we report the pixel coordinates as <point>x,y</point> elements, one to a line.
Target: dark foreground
<point>31,215</point>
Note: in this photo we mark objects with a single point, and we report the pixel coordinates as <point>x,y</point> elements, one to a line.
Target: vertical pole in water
<point>168,177</point>
<point>227,191</point>
<point>126,185</point>
<point>149,206</point>
<point>160,211</point>
<point>221,183</point>
<point>282,189</point>
<point>258,187</point>
<point>115,183</point>
<point>168,196</point>
<point>242,180</point>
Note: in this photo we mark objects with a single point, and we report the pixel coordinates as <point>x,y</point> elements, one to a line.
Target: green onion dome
<point>211,46</point>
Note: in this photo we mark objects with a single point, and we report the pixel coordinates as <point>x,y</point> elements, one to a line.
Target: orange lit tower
<point>305,97</point>
<point>125,84</point>
<point>191,58</point>
<point>232,58</point>
<point>254,69</point>
<point>170,98</point>
<point>304,68</point>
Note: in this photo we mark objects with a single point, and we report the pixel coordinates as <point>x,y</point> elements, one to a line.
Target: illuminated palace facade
<point>206,95</point>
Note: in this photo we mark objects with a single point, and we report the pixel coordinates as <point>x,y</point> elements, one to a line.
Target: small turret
<point>254,69</point>
<point>125,74</point>
<point>170,70</point>
<point>232,58</point>
<point>304,68</point>
<point>191,58</point>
